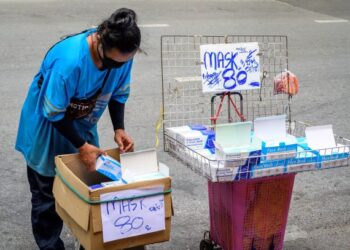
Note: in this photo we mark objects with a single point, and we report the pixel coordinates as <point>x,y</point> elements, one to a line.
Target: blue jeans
<point>46,224</point>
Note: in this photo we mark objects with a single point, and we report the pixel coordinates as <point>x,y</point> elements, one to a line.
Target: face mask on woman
<point>108,63</point>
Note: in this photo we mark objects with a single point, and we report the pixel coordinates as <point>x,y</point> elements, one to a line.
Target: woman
<point>78,78</point>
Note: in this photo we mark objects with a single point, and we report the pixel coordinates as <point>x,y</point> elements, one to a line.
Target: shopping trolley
<point>249,210</point>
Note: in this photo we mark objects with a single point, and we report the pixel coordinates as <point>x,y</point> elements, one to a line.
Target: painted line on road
<point>293,233</point>
<point>154,25</point>
<point>332,21</point>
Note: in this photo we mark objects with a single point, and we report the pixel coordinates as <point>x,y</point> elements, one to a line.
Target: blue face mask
<point>108,63</point>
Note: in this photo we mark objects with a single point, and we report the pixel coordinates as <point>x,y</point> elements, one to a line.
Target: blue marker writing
<point>126,224</point>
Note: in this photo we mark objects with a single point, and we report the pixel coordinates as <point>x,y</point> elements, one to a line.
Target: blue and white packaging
<point>95,186</point>
<point>237,169</point>
<point>302,143</point>
<point>235,151</point>
<point>195,136</point>
<point>321,140</point>
<point>334,157</point>
<point>137,166</point>
<point>208,153</point>
<point>192,138</point>
<point>109,167</point>
<point>224,174</point>
<point>196,139</point>
<point>173,131</point>
<point>142,166</point>
<point>198,127</point>
<point>238,156</point>
<point>113,183</point>
<point>267,169</point>
<point>201,153</point>
<point>326,158</point>
<point>285,148</point>
<point>233,145</point>
<point>108,184</point>
<point>304,161</point>
<point>205,158</point>
<point>209,143</point>
<point>276,144</point>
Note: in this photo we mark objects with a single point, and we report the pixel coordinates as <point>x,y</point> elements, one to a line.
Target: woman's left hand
<point>124,141</point>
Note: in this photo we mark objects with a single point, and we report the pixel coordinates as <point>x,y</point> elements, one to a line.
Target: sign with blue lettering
<point>132,217</point>
<point>230,67</point>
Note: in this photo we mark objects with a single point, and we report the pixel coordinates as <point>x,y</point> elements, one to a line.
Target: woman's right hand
<point>88,154</point>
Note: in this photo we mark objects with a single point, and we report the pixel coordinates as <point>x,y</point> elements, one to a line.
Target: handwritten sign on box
<point>132,217</point>
<point>230,67</point>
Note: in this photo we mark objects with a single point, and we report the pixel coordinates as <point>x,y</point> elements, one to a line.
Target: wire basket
<point>247,167</point>
<point>183,100</point>
<point>184,103</point>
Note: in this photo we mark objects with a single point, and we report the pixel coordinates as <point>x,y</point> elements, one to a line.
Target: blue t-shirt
<point>68,72</point>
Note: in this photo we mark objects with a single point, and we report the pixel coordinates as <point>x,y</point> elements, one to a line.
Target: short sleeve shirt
<point>67,72</point>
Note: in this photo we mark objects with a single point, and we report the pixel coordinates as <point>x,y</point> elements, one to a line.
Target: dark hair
<point>120,31</point>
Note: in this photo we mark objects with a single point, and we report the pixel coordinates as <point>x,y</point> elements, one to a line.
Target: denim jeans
<point>46,224</point>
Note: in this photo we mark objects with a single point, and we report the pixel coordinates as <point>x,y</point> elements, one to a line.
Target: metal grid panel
<point>184,104</point>
<point>183,100</point>
<point>222,171</point>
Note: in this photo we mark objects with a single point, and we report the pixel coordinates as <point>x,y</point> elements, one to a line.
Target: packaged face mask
<point>109,167</point>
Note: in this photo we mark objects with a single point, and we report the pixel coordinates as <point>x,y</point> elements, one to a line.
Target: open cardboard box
<point>83,219</point>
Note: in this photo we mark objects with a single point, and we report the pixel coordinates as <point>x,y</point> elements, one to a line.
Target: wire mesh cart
<point>248,202</point>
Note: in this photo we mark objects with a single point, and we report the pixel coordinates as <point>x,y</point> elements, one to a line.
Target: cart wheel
<point>206,245</point>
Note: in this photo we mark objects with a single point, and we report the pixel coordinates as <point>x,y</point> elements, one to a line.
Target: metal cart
<point>247,211</point>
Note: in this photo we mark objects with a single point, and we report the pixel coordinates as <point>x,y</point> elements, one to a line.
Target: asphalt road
<point>335,8</point>
<point>319,53</point>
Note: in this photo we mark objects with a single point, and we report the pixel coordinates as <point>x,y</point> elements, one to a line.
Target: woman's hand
<point>124,141</point>
<point>88,154</point>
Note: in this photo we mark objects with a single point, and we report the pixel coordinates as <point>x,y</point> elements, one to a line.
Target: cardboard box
<point>84,219</point>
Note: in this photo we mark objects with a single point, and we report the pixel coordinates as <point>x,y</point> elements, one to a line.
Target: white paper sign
<point>132,217</point>
<point>230,67</point>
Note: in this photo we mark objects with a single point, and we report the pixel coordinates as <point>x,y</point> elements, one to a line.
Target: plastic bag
<point>286,83</point>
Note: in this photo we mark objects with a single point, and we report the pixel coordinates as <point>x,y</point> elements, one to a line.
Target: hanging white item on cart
<point>230,67</point>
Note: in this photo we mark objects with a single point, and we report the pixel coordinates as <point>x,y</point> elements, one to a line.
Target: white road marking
<point>293,233</point>
<point>154,25</point>
<point>332,21</point>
